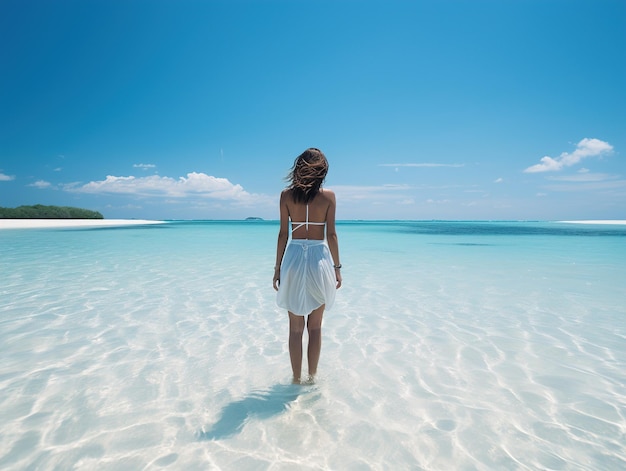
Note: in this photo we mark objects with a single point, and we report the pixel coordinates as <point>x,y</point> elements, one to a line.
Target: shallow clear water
<point>466,346</point>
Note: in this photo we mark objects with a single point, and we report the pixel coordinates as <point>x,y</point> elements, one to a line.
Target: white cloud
<point>374,188</point>
<point>126,206</point>
<point>6,178</point>
<point>41,184</point>
<point>421,165</point>
<point>585,148</point>
<point>588,185</point>
<point>144,166</point>
<point>498,180</point>
<point>585,177</point>
<point>194,184</point>
<point>586,180</point>
<point>361,193</point>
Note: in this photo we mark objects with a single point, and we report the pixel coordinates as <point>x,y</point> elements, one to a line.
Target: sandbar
<point>60,223</point>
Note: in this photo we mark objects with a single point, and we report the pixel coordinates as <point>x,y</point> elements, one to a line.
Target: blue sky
<point>447,109</point>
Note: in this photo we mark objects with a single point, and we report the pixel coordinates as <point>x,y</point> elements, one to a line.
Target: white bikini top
<point>306,223</point>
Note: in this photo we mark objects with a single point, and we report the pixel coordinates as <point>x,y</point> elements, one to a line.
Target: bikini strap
<point>306,223</point>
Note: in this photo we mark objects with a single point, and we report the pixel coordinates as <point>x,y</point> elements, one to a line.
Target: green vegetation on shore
<point>40,211</point>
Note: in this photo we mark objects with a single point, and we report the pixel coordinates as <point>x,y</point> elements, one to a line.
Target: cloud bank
<point>41,184</point>
<point>144,166</point>
<point>357,193</point>
<point>194,184</point>
<point>422,165</point>
<point>585,148</point>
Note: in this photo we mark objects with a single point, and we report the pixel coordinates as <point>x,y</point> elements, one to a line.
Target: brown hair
<point>307,175</point>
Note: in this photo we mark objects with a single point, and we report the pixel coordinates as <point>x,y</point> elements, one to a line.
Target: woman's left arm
<point>331,236</point>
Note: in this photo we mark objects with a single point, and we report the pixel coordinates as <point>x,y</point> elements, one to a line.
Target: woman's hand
<point>338,277</point>
<point>276,280</point>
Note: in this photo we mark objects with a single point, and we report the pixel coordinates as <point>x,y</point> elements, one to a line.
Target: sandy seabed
<point>53,223</point>
<point>451,346</point>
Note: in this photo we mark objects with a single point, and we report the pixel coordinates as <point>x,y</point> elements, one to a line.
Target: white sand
<point>166,350</point>
<point>606,221</point>
<point>52,223</point>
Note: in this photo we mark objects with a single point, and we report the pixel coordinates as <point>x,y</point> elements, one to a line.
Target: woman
<point>308,270</point>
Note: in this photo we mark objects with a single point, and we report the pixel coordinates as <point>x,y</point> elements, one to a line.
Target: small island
<point>40,211</point>
<point>252,218</point>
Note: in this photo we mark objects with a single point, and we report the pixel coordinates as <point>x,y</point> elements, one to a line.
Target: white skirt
<point>307,277</point>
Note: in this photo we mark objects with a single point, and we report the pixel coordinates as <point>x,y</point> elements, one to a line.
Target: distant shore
<point>60,223</point>
<point>604,221</point>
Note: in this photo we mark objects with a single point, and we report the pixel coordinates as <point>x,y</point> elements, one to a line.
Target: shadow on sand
<point>260,404</point>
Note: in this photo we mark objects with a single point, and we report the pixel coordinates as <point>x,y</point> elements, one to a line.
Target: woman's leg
<point>314,327</point>
<point>296,328</point>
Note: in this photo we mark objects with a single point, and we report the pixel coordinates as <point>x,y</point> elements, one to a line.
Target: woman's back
<point>314,213</point>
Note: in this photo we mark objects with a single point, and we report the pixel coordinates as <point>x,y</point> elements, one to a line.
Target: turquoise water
<point>466,346</point>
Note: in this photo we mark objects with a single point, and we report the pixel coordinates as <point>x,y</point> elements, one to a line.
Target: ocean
<point>451,346</point>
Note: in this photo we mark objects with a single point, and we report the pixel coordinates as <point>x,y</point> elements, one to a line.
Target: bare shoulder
<point>285,195</point>
<point>328,194</point>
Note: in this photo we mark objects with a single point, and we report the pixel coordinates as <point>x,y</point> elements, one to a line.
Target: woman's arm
<point>283,237</point>
<point>331,235</point>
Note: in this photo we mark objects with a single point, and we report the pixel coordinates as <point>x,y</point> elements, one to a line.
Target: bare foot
<point>308,380</point>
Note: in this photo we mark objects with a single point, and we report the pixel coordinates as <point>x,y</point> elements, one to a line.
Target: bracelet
<point>337,267</point>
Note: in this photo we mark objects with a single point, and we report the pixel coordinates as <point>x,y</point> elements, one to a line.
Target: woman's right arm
<point>283,237</point>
